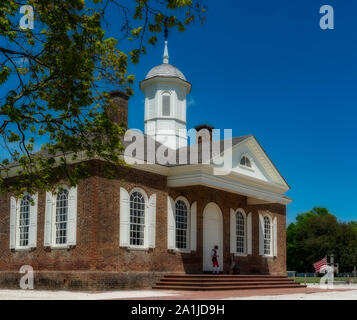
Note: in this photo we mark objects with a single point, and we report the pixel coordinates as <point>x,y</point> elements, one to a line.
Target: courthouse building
<point>152,218</point>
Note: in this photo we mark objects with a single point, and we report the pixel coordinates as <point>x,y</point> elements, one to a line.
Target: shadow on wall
<point>247,265</point>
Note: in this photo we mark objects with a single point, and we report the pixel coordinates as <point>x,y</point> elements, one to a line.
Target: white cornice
<point>218,182</point>
<point>233,175</point>
<point>165,79</point>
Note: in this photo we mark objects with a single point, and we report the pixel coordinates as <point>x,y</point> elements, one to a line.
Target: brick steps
<point>221,283</point>
<point>224,282</point>
<point>199,288</point>
<point>223,278</point>
<point>210,275</point>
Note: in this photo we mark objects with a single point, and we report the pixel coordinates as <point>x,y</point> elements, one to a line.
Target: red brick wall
<point>42,258</point>
<point>225,200</point>
<point>98,247</point>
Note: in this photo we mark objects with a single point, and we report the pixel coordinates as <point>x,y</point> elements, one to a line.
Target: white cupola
<point>165,88</point>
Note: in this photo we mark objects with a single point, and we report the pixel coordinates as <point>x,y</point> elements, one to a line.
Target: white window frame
<point>17,228</point>
<point>188,230</point>
<point>54,213</point>
<point>271,236</point>
<point>245,239</point>
<point>251,168</point>
<point>15,223</point>
<point>166,93</point>
<point>146,219</point>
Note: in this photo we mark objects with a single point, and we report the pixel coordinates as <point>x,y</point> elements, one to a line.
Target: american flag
<point>320,264</point>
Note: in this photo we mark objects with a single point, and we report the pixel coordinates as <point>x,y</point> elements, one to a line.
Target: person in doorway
<point>215,256</point>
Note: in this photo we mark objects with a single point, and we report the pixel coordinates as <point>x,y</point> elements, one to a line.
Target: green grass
<point>317,279</point>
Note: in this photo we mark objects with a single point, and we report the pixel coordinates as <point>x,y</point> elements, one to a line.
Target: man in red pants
<point>215,259</point>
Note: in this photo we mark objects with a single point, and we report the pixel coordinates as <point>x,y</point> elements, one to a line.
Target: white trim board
<point>226,185</point>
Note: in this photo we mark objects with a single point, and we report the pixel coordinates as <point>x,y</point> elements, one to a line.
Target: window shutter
<point>72,217</point>
<point>48,219</point>
<point>233,231</point>
<point>275,237</point>
<point>124,218</point>
<point>33,222</point>
<point>261,235</point>
<point>193,213</point>
<point>152,221</point>
<point>12,222</point>
<point>170,223</point>
<point>249,233</point>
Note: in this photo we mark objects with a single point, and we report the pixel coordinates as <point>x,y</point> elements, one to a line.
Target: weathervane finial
<point>166,31</point>
<point>166,51</point>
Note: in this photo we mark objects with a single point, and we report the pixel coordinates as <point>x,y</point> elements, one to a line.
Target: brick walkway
<point>226,294</point>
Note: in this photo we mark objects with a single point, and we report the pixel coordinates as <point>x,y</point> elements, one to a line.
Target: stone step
<point>246,287</point>
<point>222,283</point>
<point>181,281</point>
<point>215,279</point>
<point>220,276</point>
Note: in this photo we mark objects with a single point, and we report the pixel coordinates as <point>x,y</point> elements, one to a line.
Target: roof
<point>165,70</point>
<point>175,154</point>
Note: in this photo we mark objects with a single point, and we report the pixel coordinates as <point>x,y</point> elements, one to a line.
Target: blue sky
<point>266,68</point>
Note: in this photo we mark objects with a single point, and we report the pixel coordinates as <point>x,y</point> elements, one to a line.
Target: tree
<point>347,246</point>
<point>58,77</point>
<point>317,233</point>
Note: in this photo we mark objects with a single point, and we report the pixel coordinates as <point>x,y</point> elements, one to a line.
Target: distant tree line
<point>318,233</point>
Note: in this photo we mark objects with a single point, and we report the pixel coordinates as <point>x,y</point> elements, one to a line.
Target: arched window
<point>166,109</point>
<point>24,221</point>
<point>137,219</point>
<point>61,221</point>
<point>267,235</point>
<point>240,232</point>
<point>245,162</point>
<point>181,224</point>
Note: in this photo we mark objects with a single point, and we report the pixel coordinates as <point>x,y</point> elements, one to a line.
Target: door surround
<point>210,208</point>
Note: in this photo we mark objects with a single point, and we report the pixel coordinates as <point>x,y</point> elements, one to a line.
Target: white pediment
<point>261,168</point>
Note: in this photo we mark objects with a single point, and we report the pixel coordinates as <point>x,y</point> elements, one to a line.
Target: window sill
<point>64,247</point>
<point>241,255</point>
<point>183,250</point>
<point>137,249</point>
<point>267,256</point>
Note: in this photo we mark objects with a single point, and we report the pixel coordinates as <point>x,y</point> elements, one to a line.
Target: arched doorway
<point>212,235</point>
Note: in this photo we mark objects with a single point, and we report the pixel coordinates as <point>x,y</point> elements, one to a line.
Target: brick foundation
<point>83,280</point>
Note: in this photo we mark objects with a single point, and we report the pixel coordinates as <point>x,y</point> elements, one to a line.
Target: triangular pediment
<point>261,167</point>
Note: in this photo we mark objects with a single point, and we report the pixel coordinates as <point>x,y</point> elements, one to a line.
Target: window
<point>137,227</point>
<point>166,105</point>
<point>61,221</point>
<point>268,242</point>
<point>24,221</point>
<point>181,224</point>
<point>61,218</point>
<point>245,162</point>
<point>137,219</point>
<point>267,236</point>
<point>240,233</point>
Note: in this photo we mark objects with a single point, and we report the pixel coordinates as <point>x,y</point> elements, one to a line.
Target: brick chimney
<point>118,110</point>
<point>201,127</point>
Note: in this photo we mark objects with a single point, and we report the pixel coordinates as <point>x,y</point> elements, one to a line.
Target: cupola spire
<point>166,54</point>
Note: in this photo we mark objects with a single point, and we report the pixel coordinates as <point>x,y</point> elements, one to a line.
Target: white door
<point>212,235</point>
